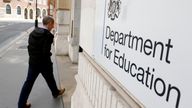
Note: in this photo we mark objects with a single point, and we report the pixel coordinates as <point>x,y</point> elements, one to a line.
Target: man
<point>39,46</point>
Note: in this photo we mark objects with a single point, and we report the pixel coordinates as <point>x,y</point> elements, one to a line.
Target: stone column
<point>63,16</point>
<point>75,30</point>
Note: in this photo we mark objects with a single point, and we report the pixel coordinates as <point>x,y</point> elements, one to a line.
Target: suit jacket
<point>39,46</point>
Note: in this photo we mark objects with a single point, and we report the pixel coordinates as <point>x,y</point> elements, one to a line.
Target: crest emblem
<point>114,7</point>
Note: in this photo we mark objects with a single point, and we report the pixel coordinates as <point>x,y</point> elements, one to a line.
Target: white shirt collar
<point>45,27</point>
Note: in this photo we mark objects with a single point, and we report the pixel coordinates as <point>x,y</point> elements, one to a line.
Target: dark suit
<point>39,46</point>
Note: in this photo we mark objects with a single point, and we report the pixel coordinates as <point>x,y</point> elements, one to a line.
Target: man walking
<point>39,46</point>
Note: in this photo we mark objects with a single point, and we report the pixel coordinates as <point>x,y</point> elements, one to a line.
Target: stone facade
<point>63,32</point>
<point>68,26</point>
<point>22,9</point>
<point>75,30</point>
<point>95,88</point>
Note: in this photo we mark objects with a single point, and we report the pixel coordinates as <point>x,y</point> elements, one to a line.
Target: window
<point>18,10</point>
<point>26,13</point>
<point>38,12</point>
<point>31,14</point>
<point>8,9</point>
<point>44,12</point>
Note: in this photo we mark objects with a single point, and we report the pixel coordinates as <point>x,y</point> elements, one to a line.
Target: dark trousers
<point>33,72</point>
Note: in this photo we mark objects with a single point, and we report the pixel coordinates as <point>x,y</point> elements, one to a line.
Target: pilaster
<point>63,27</point>
<point>75,30</point>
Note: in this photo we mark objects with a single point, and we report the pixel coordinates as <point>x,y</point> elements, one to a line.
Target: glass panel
<point>8,9</point>
<point>18,10</point>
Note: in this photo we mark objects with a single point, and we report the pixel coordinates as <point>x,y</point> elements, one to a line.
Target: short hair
<point>47,19</point>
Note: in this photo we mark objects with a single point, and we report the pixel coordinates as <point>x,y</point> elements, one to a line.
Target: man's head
<point>48,22</point>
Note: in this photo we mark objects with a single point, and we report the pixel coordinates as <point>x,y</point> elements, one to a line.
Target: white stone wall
<point>96,88</point>
<point>63,31</point>
<point>74,31</point>
<point>93,90</point>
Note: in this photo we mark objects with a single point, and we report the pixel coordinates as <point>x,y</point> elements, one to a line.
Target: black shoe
<point>27,105</point>
<point>60,93</point>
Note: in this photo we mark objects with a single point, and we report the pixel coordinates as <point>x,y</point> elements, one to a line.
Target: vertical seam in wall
<point>103,29</point>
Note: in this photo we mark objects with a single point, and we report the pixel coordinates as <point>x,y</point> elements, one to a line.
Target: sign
<point>146,46</point>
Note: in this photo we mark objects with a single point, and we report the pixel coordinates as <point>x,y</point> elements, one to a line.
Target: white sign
<point>146,46</point>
